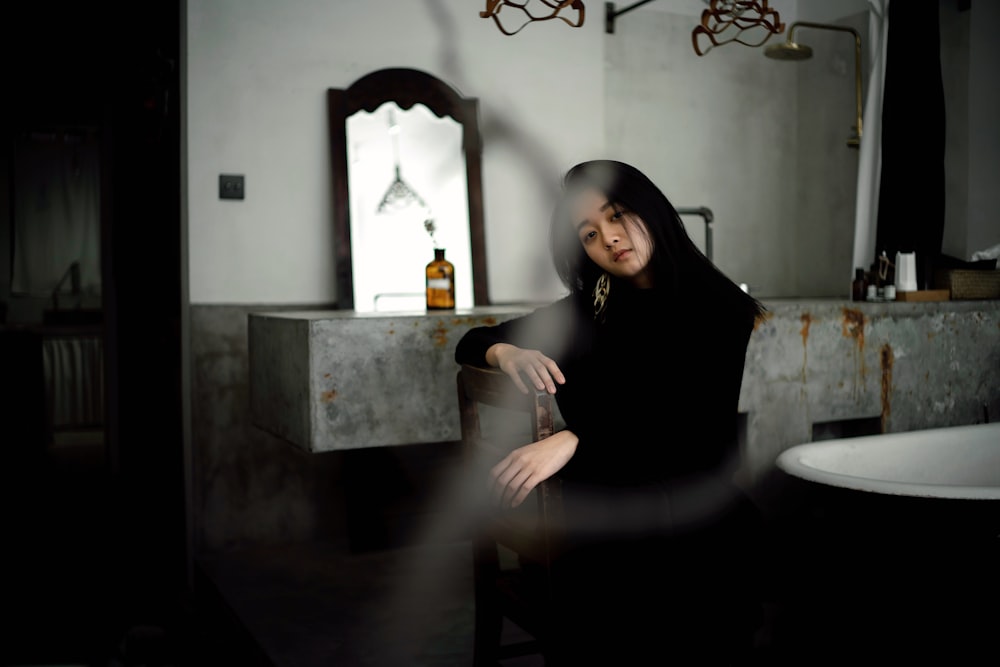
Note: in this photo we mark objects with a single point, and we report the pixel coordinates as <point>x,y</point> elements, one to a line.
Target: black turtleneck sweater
<point>652,392</point>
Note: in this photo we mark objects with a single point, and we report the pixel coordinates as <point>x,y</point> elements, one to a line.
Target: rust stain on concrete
<point>804,331</point>
<point>326,375</point>
<point>440,334</point>
<point>472,321</point>
<point>853,326</point>
<point>328,396</point>
<point>886,360</point>
<point>806,319</point>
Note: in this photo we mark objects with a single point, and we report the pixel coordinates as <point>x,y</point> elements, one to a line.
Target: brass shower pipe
<point>790,50</point>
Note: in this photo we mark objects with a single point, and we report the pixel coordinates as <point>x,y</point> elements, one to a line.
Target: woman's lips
<point>621,253</point>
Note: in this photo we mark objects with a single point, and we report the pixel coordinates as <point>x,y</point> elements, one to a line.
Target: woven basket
<point>969,284</point>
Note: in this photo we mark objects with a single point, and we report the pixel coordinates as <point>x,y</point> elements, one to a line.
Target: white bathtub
<point>888,546</point>
<point>953,462</point>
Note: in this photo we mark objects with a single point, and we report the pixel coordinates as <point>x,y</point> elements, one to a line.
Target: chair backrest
<point>496,417</point>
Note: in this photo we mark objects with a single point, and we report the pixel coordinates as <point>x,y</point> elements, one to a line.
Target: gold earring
<point>601,291</point>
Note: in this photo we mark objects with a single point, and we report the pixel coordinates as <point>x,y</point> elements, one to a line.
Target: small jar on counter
<point>858,286</point>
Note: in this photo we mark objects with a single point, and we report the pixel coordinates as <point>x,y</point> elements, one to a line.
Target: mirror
<point>400,215</point>
<point>405,100</point>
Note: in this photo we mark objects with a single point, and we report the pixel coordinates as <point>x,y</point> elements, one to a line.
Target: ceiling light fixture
<point>493,8</point>
<point>746,22</point>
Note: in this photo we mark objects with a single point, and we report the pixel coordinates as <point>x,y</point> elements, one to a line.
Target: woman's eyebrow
<point>602,209</point>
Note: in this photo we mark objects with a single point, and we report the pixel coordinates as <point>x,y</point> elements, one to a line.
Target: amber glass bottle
<point>440,282</point>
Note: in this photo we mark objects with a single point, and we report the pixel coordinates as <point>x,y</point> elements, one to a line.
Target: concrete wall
<point>328,381</point>
<point>820,365</point>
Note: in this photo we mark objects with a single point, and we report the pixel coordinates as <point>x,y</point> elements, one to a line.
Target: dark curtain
<point>911,196</point>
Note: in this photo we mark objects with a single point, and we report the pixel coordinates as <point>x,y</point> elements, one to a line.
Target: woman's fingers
<point>513,492</point>
<point>513,480</point>
<point>555,373</point>
<point>541,371</point>
<point>531,365</point>
<point>501,474</point>
<point>544,373</point>
<point>518,473</point>
<point>522,492</point>
<point>540,378</point>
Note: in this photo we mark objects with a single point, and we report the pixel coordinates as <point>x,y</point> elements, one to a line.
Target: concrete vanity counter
<point>335,380</point>
<point>330,380</point>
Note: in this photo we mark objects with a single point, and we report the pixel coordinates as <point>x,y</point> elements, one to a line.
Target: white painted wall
<point>719,130</point>
<point>716,130</point>
<point>257,75</point>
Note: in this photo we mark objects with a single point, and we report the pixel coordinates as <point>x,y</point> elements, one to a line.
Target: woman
<point>645,358</point>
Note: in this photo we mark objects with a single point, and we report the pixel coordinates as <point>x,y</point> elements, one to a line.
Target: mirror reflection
<point>407,196</point>
<point>407,142</point>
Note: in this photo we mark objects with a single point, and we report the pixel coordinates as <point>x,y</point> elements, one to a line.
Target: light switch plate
<point>230,186</point>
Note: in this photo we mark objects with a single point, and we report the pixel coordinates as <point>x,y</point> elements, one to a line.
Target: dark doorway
<point>98,532</point>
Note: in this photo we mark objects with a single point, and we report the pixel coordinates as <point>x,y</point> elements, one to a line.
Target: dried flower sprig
<point>429,226</point>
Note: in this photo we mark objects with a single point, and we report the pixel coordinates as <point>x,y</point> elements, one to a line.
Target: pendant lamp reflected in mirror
<point>399,195</point>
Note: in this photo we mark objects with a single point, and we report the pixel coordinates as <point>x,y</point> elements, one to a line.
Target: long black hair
<point>678,266</point>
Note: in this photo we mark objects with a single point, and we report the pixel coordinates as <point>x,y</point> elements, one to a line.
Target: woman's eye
<point>589,235</point>
<point>617,215</point>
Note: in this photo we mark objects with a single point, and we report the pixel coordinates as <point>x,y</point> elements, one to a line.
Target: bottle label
<point>439,283</point>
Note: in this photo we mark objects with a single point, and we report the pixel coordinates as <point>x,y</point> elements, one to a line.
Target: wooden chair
<point>512,548</point>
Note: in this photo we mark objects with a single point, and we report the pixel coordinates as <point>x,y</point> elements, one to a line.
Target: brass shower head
<point>788,51</point>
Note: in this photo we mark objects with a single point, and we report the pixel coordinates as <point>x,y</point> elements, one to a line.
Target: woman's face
<point>614,238</point>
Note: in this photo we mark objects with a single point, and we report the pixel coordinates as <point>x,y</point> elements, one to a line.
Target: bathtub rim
<point>791,462</point>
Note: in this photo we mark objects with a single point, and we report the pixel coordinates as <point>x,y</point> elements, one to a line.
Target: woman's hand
<point>539,369</point>
<point>525,467</point>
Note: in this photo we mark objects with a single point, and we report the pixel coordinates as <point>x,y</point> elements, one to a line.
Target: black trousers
<point>635,585</point>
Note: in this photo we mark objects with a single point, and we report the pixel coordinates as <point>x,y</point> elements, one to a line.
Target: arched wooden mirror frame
<point>405,87</point>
